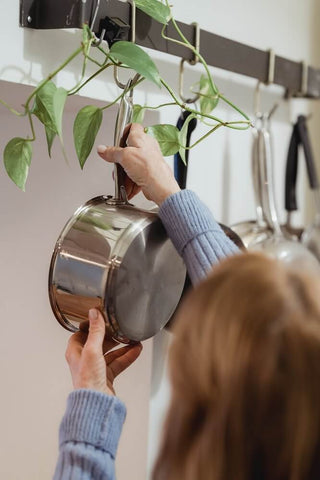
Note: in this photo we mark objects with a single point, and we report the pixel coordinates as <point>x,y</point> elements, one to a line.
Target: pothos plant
<point>46,102</point>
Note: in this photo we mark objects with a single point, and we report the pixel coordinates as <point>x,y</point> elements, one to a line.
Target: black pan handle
<point>181,169</point>
<point>308,154</point>
<point>291,171</point>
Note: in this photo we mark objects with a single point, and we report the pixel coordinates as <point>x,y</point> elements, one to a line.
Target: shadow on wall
<point>49,49</point>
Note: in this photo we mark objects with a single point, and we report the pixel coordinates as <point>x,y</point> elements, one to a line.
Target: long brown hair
<point>245,374</point>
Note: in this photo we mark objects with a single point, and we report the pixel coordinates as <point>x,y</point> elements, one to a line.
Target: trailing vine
<point>47,102</point>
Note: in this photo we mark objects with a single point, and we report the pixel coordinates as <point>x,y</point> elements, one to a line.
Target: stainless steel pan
<point>287,250</point>
<point>118,258</point>
<point>300,137</point>
<point>255,231</point>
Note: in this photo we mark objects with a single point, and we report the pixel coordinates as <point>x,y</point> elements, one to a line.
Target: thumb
<point>110,154</point>
<point>97,329</point>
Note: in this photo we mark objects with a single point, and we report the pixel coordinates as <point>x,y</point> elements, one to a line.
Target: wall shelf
<point>218,51</point>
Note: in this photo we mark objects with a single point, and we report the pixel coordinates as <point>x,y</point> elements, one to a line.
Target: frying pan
<point>311,236</point>
<point>255,231</point>
<point>118,258</point>
<point>288,251</point>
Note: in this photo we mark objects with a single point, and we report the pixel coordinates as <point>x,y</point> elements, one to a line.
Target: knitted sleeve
<point>194,232</point>
<point>89,435</point>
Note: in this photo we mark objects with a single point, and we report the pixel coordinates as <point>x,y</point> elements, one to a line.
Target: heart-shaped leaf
<point>43,105</point>
<point>168,137</point>
<point>208,97</point>
<point>50,135</point>
<point>154,9</point>
<point>138,114</point>
<point>86,38</point>
<point>17,159</point>
<point>85,129</point>
<point>48,107</point>
<point>134,57</point>
<point>59,100</point>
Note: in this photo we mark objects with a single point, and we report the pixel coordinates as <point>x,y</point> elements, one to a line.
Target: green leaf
<point>48,107</point>
<point>154,9</point>
<point>17,159</point>
<point>43,105</point>
<point>85,129</point>
<point>86,35</point>
<point>87,39</point>
<point>208,97</point>
<point>50,134</point>
<point>168,137</point>
<point>137,59</point>
<point>59,100</point>
<point>138,114</point>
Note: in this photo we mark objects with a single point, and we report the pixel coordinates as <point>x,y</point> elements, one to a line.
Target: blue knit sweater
<point>92,424</point>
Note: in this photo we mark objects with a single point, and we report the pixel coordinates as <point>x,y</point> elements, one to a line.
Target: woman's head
<point>245,371</point>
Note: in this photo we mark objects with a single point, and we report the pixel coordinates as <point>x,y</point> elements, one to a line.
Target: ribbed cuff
<point>93,417</point>
<point>184,215</point>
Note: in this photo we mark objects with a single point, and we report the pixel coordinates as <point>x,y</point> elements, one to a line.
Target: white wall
<point>34,376</point>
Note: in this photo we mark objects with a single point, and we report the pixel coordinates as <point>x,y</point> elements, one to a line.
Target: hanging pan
<point>300,138</point>
<point>288,251</point>
<point>118,258</point>
<point>255,231</point>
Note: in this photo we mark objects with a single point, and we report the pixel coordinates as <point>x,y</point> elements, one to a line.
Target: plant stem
<point>193,49</point>
<point>205,136</point>
<point>32,128</point>
<point>196,53</point>
<point>113,102</point>
<point>12,110</point>
<point>71,92</point>
<point>52,75</point>
<point>211,117</point>
<point>233,106</point>
<point>148,107</point>
<point>187,44</point>
<point>121,95</point>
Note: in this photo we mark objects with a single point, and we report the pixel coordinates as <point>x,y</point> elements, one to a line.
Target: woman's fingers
<point>109,344</point>
<point>97,330</point>
<point>120,359</point>
<point>75,346</point>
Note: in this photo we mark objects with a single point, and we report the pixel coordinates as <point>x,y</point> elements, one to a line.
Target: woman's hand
<point>144,164</point>
<point>86,355</point>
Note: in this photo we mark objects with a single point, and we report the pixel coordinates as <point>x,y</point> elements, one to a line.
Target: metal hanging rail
<point>113,16</point>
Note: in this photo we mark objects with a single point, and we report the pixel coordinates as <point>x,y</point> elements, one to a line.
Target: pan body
<point>251,233</point>
<point>311,238</point>
<point>116,258</point>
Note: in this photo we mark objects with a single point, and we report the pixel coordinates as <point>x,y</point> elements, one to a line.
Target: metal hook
<point>271,67</point>
<point>132,39</point>
<point>303,92</point>
<point>97,41</point>
<point>304,79</point>
<point>194,61</point>
<point>257,109</point>
<point>270,81</point>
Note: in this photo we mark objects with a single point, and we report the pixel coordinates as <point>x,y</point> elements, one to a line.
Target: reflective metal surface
<point>117,258</point>
<point>120,260</point>
<point>311,235</point>
<point>252,232</point>
<point>286,250</point>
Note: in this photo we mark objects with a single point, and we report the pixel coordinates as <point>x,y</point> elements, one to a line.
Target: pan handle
<point>256,179</point>
<point>266,168</point>
<point>291,172</point>
<point>306,144</point>
<point>300,136</point>
<point>124,117</point>
<point>181,169</point>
